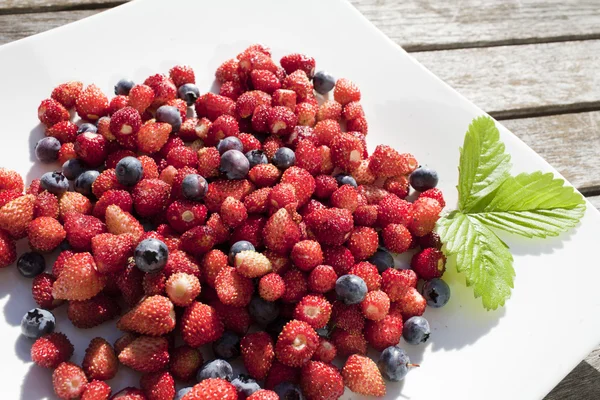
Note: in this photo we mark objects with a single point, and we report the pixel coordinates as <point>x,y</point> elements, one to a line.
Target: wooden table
<point>534,64</point>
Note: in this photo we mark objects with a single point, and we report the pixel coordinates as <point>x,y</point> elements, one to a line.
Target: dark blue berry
<point>261,136</point>
<point>230,143</point>
<point>436,292</point>
<point>37,323</point>
<point>194,187</point>
<point>275,327</point>
<point>284,158</point>
<point>323,82</point>
<point>65,245</point>
<point>423,178</point>
<point>83,183</point>
<point>263,312</point>
<point>394,363</point>
<point>245,385</point>
<point>54,182</point>
<point>350,289</point>
<point>189,93</point>
<point>345,180</point>
<point>72,168</point>
<point>129,171</point>
<point>238,247</point>
<point>227,347</point>
<point>170,115</point>
<point>416,330</point>
<point>46,150</point>
<point>147,225</point>
<point>151,255</point>
<point>123,87</point>
<point>181,393</point>
<point>288,391</point>
<point>234,164</point>
<point>382,259</point>
<point>31,264</point>
<point>215,369</point>
<point>87,127</point>
<point>256,157</point>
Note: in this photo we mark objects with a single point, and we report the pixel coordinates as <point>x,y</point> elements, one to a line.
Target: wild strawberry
<point>302,181</point>
<point>117,103</point>
<point>41,290</point>
<point>249,142</point>
<point>375,306</point>
<point>296,343</point>
<point>158,385</point>
<point>45,234</point>
<point>185,361</point>
<point>257,353</point>
<point>209,161</point>
<point>91,148</point>
<point>314,310</point>
<point>100,361</point>
<point>396,238</point>
<point>326,351</point>
<point>79,279</point>
<point>306,255</point>
<point>212,106</point>
<point>250,60</point>
<point>233,213</point>
<point>397,185</point>
<point>281,120</point>
<point>107,180</point>
<point>345,197</point>
<point>396,282</point>
<point>410,304</point>
<point>281,373</point>
<point>163,87</point>
<point>176,185</point>
<point>52,349</point>
<point>257,201</point>
<point>200,325</point>
<point>263,175</point>
<point>429,263</point>
<point>66,152</point>
<point>327,130</point>
<point>386,162</point>
<point>346,151</point>
<point>69,381</point>
<point>321,381</point>
<point>322,279</point>
<point>362,376</point>
<point>51,112</point>
<point>129,393</point>
<point>426,212</point>
<point>271,287</point>
<point>432,239</point>
<point>306,113</point>
<point>330,109</point>
<point>141,97</point>
<point>11,180</point>
<point>182,288</point>
<point>16,215</point>
<point>146,354</point>
<point>236,319</point>
<point>191,129</point>
<point>96,390</point>
<point>103,128</point>
<point>154,316</point>
<point>213,262</point>
<point>296,286</point>
<point>184,215</point>
<point>252,264</point>
<point>280,196</point>
<point>352,110</point>
<point>154,284</point>
<point>296,61</point>
<point>112,251</point>
<point>222,127</point>
<point>198,240</point>
<point>385,332</point>
<point>358,125</point>
<point>330,226</point>
<point>73,202</point>
<point>219,190</point>
<point>124,341</point>
<point>327,166</point>
<point>119,222</point>
<point>93,312</point>
<point>263,394</point>
<point>363,242</point>
<point>368,273</point>
<point>64,131</point>
<point>348,317</point>
<point>182,74</point>
<point>150,197</point>
<point>325,185</point>
<point>345,91</point>
<point>231,89</point>
<point>362,174</point>
<point>247,102</point>
<point>152,136</point>
<point>125,125</point>
<point>264,80</point>
<point>340,258</point>
<point>212,389</point>
<point>298,82</point>
<point>393,210</point>
<point>271,145</point>
<point>92,104</point>
<point>81,229</point>
<point>8,250</point>
<point>219,230</point>
<point>259,118</point>
<point>7,196</point>
<point>67,93</point>
<point>284,98</point>
<point>365,215</point>
<point>233,288</point>
<point>280,232</point>
<point>120,198</point>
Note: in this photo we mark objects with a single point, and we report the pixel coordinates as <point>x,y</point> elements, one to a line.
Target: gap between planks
<point>43,6</point>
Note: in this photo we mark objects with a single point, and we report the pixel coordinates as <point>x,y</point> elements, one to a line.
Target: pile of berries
<point>260,227</point>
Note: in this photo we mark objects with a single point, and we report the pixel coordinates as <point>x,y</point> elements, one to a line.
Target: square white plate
<point>519,352</point>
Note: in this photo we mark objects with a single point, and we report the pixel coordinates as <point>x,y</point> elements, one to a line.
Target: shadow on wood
<point>583,383</point>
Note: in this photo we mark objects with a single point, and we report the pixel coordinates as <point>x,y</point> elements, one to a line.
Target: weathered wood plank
<point>18,26</point>
<point>528,80</point>
<point>595,200</point>
<point>37,6</point>
<point>440,24</point>
<point>583,383</point>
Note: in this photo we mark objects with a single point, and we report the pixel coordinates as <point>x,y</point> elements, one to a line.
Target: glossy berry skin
<point>238,247</point>
<point>234,164</point>
<point>263,312</point>
<point>129,171</point>
<point>54,182</point>
<point>393,363</point>
<point>215,369</point>
<point>181,393</point>
<point>350,289</point>
<point>323,82</point>
<point>46,150</point>
<point>230,143</point>
<point>227,347</point>
<point>416,330</point>
<point>287,390</point>
<point>345,180</point>
<point>72,168</point>
<point>256,157</point>
<point>83,183</point>
<point>31,264</point>
<point>189,93</point>
<point>382,260</point>
<point>87,127</point>
<point>245,385</point>
<point>194,187</point>
<point>284,158</point>
<point>123,87</point>
<point>37,323</point>
<point>423,178</point>
<point>436,293</point>
<point>170,115</point>
<point>151,255</point>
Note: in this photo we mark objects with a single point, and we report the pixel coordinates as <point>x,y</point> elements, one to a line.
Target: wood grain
<point>583,383</point>
<point>37,6</point>
<point>528,80</point>
<point>595,200</point>
<point>440,24</point>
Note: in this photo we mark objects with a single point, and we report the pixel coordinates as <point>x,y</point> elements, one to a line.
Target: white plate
<point>519,352</point>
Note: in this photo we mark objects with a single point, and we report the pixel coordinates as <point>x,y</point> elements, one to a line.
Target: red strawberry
<point>153,136</point>
<point>8,250</point>
<point>353,110</point>
<point>384,333</point>
<point>92,104</point>
<point>125,125</point>
<point>327,130</point>
<point>42,291</point>
<point>347,317</point>
<point>263,394</point>
<point>154,284</point>
<point>375,305</point>
<point>257,201</point>
<point>198,240</point>
<point>296,343</point>
<point>73,202</point>
<point>397,185</point>
<point>81,229</point>
<point>212,106</point>
<point>100,361</point>
<point>91,148</point>
<point>271,287</point>
<point>200,325</point>
<point>271,145</point>
<point>386,162</point>
<point>259,117</point>
<point>185,215</point>
<point>179,261</point>
<point>158,385</point>
<point>307,254</point>
<point>326,351</point>
<point>112,251</point>
<point>231,89</point>
<point>426,213</point>
<point>146,354</point>
<point>129,393</point>
<point>66,152</point>
<point>345,197</point>
<point>150,197</point>
<point>340,258</point>
<point>345,91</point>
<point>346,151</point>
<point>153,316</point>
<point>298,82</point>
<point>396,282</point>
<point>177,182</point>
<point>281,120</point>
<point>321,381</point>
<point>325,185</point>
<point>163,87</point>
<point>263,175</point>
<point>117,103</point>
<point>264,80</point>
<point>16,215</point>
<point>365,215</point>
<point>107,180</point>
<point>236,319</point>
<point>52,349</point>
<point>251,230</point>
<point>295,61</point>
<point>212,389</point>
<point>363,242</point>
<point>330,226</point>
<point>307,113</point>
<point>182,74</point>
<point>348,343</point>
<point>257,353</point>
<point>64,131</point>
<point>69,381</point>
<point>149,166</point>
<point>93,312</point>
<point>314,310</point>
<point>281,373</point>
<point>233,213</point>
<point>247,104</point>
<point>302,181</point>
<point>284,98</point>
<point>233,288</point>
<point>222,127</point>
<point>252,264</point>
<point>9,195</point>
<point>358,125</point>
<point>11,180</point>
<point>182,156</point>
<point>141,97</point>
<point>228,71</point>
<point>362,376</point>
<point>308,157</point>
<point>430,240</point>
<point>368,272</point>
<point>219,190</point>
<point>322,279</point>
<point>396,238</point>
<point>213,262</point>
<point>209,161</point>
<point>280,232</point>
<point>96,390</point>
<point>79,279</point>
<point>123,342</point>
<point>51,112</point>
<point>185,363</point>
<point>410,304</point>
<point>119,222</point>
<point>67,93</point>
<point>120,198</point>
<point>182,288</point>
<point>429,263</point>
<point>393,210</point>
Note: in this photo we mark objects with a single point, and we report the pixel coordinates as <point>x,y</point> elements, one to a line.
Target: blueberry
<point>345,180</point>
<point>147,225</point>
<point>189,93</point>
<point>151,255</point>
<point>54,182</point>
<point>263,312</point>
<point>238,247</point>
<point>245,385</point>
<point>123,87</point>
<point>234,164</point>
<point>423,178</point>
<point>215,369</point>
<point>227,347</point>
<point>230,143</point>
<point>181,393</point>
<point>351,289</point>
<point>324,331</point>
<point>284,158</point>
<point>83,183</point>
<point>416,330</point>
<point>394,363</point>
<point>275,327</point>
<point>129,171</point>
<point>288,391</point>
<point>37,322</point>
<point>256,157</point>
<point>87,127</point>
<point>323,82</point>
<point>46,150</point>
<point>382,259</point>
<point>72,168</point>
<point>194,187</point>
<point>31,264</point>
<point>436,292</point>
<point>170,115</point>
<point>65,245</point>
